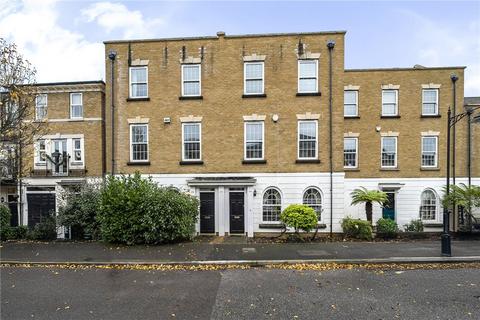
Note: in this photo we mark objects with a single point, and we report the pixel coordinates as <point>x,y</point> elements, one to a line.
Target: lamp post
<point>451,121</point>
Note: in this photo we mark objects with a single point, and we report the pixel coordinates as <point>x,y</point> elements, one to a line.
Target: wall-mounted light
<point>378,128</point>
<point>166,120</point>
<point>254,192</point>
<point>275,117</point>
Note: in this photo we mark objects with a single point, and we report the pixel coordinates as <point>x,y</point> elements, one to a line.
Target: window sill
<point>191,163</point>
<point>246,96</point>
<point>138,163</point>
<point>309,94</point>
<point>138,99</point>
<point>307,161</point>
<point>433,224</point>
<point>190,98</point>
<point>429,169</point>
<point>254,161</point>
<point>389,169</point>
<point>351,169</point>
<point>390,117</point>
<point>430,116</point>
<point>75,119</point>
<point>351,117</point>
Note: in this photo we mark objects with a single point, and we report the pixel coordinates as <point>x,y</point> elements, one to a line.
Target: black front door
<point>39,205</point>
<point>13,206</point>
<point>237,212</point>
<point>207,212</point>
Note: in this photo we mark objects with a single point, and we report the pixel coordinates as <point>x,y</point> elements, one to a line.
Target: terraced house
<point>253,123</point>
<point>69,150</point>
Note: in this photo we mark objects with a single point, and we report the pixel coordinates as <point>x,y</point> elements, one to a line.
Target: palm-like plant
<point>362,195</point>
<point>462,195</point>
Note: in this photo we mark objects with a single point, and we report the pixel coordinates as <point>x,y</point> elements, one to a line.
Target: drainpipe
<point>112,55</point>
<point>330,46</point>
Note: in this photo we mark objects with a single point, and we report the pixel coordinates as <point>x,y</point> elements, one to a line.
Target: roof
<point>222,34</point>
<point>471,100</point>
<point>66,83</point>
<point>406,69</point>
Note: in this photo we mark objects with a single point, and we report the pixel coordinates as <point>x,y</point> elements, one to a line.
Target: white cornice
<point>389,134</point>
<point>254,57</point>
<point>431,86</point>
<point>390,86</point>
<point>138,120</point>
<point>191,118</point>
<point>430,133</point>
<point>351,87</point>
<point>351,135</point>
<point>308,116</point>
<point>254,117</point>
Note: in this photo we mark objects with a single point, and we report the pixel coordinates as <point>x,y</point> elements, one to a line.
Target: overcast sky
<point>63,39</point>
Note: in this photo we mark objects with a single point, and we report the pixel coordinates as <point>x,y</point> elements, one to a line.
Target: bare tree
<point>18,127</point>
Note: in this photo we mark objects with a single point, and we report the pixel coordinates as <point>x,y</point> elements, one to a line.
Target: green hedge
<point>414,226</point>
<point>299,217</point>
<point>134,210</point>
<point>356,228</point>
<point>387,228</point>
<point>5,216</point>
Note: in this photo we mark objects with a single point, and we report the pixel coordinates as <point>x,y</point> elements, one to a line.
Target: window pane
<point>254,131</point>
<point>307,85</point>
<point>253,86</point>
<point>389,109</point>
<point>308,69</point>
<point>388,152</point>
<point>191,132</point>
<point>191,88</point>
<point>429,108</point>
<point>76,98</point>
<point>307,149</point>
<point>349,145</point>
<point>139,90</point>
<point>272,205</point>
<point>430,96</point>
<point>77,111</point>
<point>139,134</point>
<point>253,70</point>
<point>192,150</point>
<point>139,75</point>
<point>350,97</point>
<point>429,144</point>
<point>428,207</point>
<point>140,151</point>
<point>350,110</point>
<point>388,144</point>
<point>389,96</point>
<point>308,130</point>
<point>191,73</point>
<point>313,199</point>
<point>41,100</point>
<point>254,150</point>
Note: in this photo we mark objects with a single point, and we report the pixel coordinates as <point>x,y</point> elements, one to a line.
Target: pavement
<point>236,250</point>
<point>255,293</point>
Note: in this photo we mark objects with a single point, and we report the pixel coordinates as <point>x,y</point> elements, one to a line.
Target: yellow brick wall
<point>223,107</point>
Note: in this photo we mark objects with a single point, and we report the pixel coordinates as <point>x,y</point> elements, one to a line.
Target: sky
<point>51,33</point>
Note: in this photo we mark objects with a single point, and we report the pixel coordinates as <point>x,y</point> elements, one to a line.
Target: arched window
<point>272,205</point>
<point>428,205</point>
<point>313,199</point>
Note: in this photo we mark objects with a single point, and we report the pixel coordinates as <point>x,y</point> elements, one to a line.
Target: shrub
<point>387,228</point>
<point>134,210</point>
<point>299,217</point>
<point>5,216</point>
<point>19,232</point>
<point>79,210</point>
<point>356,228</point>
<point>45,230</point>
<point>414,226</point>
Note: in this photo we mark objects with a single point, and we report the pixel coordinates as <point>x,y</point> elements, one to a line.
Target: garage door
<point>39,205</point>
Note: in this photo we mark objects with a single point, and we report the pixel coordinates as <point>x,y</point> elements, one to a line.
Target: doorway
<point>237,212</point>
<point>207,212</point>
<point>388,211</point>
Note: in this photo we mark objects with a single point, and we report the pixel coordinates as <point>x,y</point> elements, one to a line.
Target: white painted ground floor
<point>250,204</point>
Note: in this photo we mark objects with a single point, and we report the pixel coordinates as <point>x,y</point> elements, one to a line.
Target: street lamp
<point>451,121</point>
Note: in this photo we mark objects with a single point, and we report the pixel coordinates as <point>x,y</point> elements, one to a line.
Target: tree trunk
<point>368,209</point>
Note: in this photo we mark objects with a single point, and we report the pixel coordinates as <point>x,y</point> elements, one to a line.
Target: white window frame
<point>437,206</point>
<point>130,82</point>
<point>321,200</point>
<point>82,153</point>
<point>316,140</point>
<point>350,104</point>
<point>299,77</point>
<point>246,123</point>
<point>245,77</point>
<point>38,159</point>
<point>396,152</point>
<point>356,153</point>
<point>436,152</point>
<point>199,65</point>
<point>436,103</point>
<point>147,142</point>
<point>272,205</point>
<point>396,103</point>
<point>183,140</point>
<point>45,107</point>
<point>76,105</point>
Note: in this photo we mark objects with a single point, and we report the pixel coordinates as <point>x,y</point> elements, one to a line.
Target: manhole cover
<point>249,250</point>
